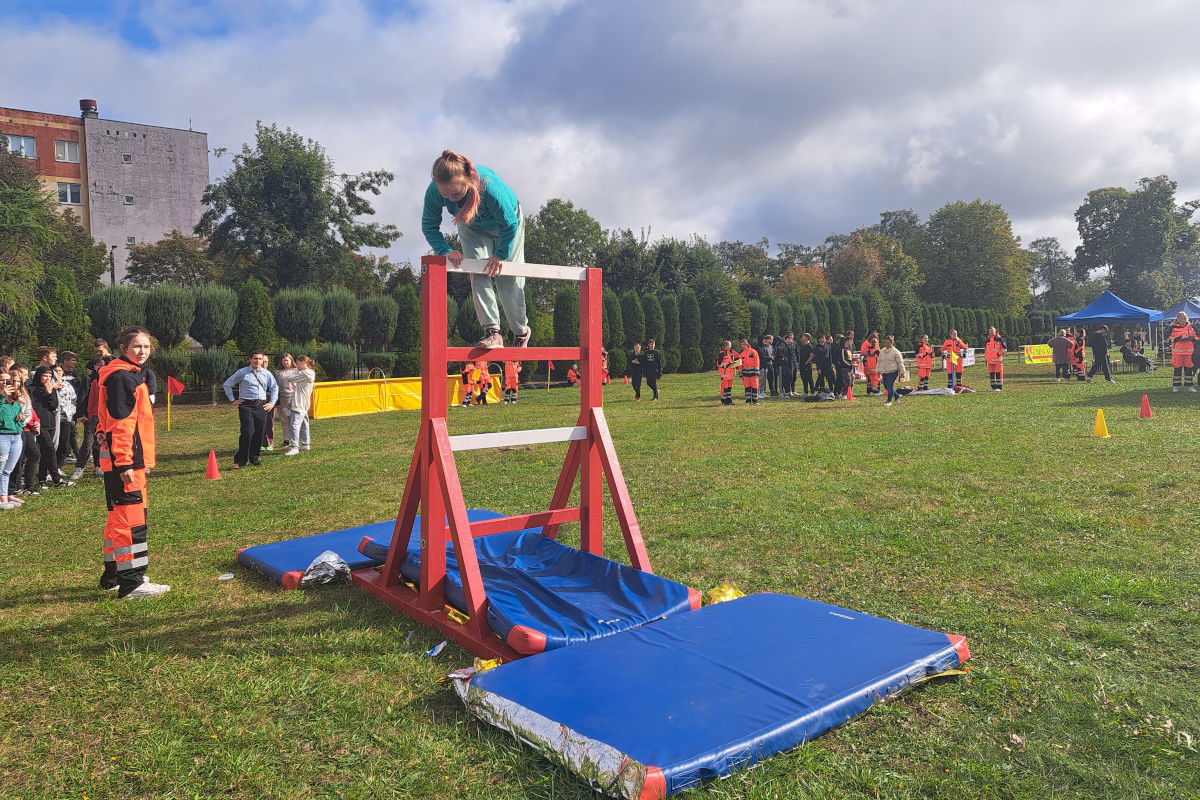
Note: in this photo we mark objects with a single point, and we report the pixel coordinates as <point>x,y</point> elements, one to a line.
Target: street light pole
<point>112,265</point>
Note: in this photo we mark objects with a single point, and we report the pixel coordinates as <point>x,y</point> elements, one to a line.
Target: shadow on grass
<point>1159,396</point>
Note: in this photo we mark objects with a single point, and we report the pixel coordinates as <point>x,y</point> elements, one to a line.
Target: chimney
<point>88,109</point>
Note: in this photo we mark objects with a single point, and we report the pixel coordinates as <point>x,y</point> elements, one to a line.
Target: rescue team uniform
<point>952,353</point>
<point>126,420</point>
<point>750,362</point>
<point>468,383</point>
<point>512,374</point>
<point>993,353</point>
<point>483,382</point>
<point>1183,355</point>
<point>870,361</point>
<point>728,362</point>
<point>572,377</point>
<point>1077,346</point>
<point>924,366</point>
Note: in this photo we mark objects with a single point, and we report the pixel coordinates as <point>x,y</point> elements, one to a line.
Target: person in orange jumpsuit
<point>1182,339</point>
<point>512,375</point>
<point>869,355</point>
<point>924,363</point>
<point>1079,341</point>
<point>126,434</point>
<point>468,383</point>
<point>728,361</point>
<point>483,381</point>
<point>952,351</point>
<point>993,354</point>
<point>604,367</point>
<point>573,375</point>
<point>749,370</point>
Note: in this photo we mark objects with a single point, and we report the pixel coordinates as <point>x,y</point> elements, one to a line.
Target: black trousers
<point>1062,371</point>
<point>636,377</point>
<point>845,376</point>
<point>1100,362</point>
<point>90,447</point>
<point>48,466</point>
<point>68,444</point>
<point>806,379</point>
<point>652,382</point>
<point>253,421</point>
<point>24,475</point>
<point>772,386</point>
<point>787,377</point>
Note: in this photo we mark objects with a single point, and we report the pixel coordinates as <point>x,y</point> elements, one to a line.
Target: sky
<point>785,119</point>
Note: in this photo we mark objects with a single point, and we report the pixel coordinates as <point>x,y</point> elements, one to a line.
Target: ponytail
<point>451,165</point>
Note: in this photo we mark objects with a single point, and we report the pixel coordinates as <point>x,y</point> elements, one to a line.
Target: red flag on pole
<point>174,387</point>
<point>551,363</point>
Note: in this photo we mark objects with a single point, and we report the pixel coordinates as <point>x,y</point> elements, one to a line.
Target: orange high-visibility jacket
<point>512,374</point>
<point>749,358</point>
<point>924,357</point>
<point>572,376</point>
<point>468,376</point>
<point>870,356</point>
<point>954,347</point>
<point>993,351</point>
<point>1183,340</point>
<point>126,417</point>
<point>483,379</point>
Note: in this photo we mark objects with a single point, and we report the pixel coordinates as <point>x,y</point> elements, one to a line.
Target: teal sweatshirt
<point>8,418</point>
<point>498,213</point>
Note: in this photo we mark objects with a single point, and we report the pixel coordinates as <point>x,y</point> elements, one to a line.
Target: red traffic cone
<point>850,391</point>
<point>626,377</point>
<point>212,473</point>
<point>1145,412</point>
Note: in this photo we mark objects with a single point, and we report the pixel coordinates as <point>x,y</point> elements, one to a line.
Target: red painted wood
<point>620,493</point>
<point>591,495</point>
<point>433,406</point>
<point>566,481</point>
<point>460,531</point>
<point>408,602</point>
<point>538,519</point>
<point>513,353</point>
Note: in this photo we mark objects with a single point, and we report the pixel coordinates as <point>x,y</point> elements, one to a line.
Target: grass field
<point>1071,563</point>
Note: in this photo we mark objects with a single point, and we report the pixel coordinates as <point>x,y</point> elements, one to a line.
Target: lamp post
<point>112,265</point>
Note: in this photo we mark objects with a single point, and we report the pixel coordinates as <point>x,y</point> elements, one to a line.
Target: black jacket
<point>652,363</point>
<point>634,366</point>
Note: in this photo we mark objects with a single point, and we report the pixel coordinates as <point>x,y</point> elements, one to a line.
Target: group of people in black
<point>826,365</point>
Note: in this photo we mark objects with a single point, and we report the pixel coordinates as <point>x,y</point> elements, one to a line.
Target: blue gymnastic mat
<point>284,562</point>
<point>663,707</point>
<point>542,594</point>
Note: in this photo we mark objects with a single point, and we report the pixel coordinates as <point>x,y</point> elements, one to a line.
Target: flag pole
<point>168,410</point>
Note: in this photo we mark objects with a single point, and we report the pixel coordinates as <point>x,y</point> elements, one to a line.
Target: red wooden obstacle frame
<point>433,487</point>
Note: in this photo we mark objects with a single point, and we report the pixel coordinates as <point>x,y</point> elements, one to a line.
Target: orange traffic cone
<point>1145,412</point>
<point>212,473</point>
<point>850,391</point>
<point>1100,431</point>
<point>626,378</point>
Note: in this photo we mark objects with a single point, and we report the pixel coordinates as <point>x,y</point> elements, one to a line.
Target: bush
<point>689,320</point>
<point>170,311</point>
<point>383,361</point>
<point>377,320</point>
<point>692,360</point>
<point>407,336</point>
<point>168,362</point>
<point>408,365</point>
<point>614,325</point>
<point>633,316</point>
<point>213,365</point>
<point>336,360</point>
<point>467,324</point>
<point>216,313</point>
<point>451,316</point>
<point>671,358</point>
<point>111,308</point>
<point>299,314</point>
<point>670,309</point>
<point>654,319</point>
<point>61,322</point>
<point>340,311</point>
<point>255,329</point>
<point>617,362</point>
<point>783,311</point>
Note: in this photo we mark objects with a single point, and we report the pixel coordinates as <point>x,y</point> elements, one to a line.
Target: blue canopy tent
<point>1187,307</point>
<point>1108,309</point>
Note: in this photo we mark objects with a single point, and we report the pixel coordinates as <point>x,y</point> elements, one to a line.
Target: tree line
<point>279,253</point>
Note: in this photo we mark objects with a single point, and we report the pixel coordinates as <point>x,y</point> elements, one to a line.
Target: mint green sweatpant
<point>478,243</point>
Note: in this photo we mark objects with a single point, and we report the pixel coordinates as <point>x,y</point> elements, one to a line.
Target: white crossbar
<point>475,265</point>
<point>480,441</point>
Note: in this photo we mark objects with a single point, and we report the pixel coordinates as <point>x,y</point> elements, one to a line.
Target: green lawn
<point>1071,563</point>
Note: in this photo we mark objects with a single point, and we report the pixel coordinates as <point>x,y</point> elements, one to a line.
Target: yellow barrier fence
<point>346,398</point>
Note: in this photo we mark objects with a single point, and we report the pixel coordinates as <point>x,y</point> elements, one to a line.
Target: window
<point>130,240</point>
<point>128,199</point>
<point>65,151</point>
<point>69,193</point>
<point>126,158</point>
<point>24,146</point>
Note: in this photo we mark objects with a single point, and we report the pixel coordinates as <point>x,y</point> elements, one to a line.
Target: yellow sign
<point>1038,354</point>
<point>346,398</point>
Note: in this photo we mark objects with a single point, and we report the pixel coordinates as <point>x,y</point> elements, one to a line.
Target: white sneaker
<point>148,589</point>
<point>304,447</point>
<point>7,506</point>
<point>888,403</point>
<point>295,451</point>
<point>1191,388</point>
<point>99,472</point>
<point>77,474</point>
